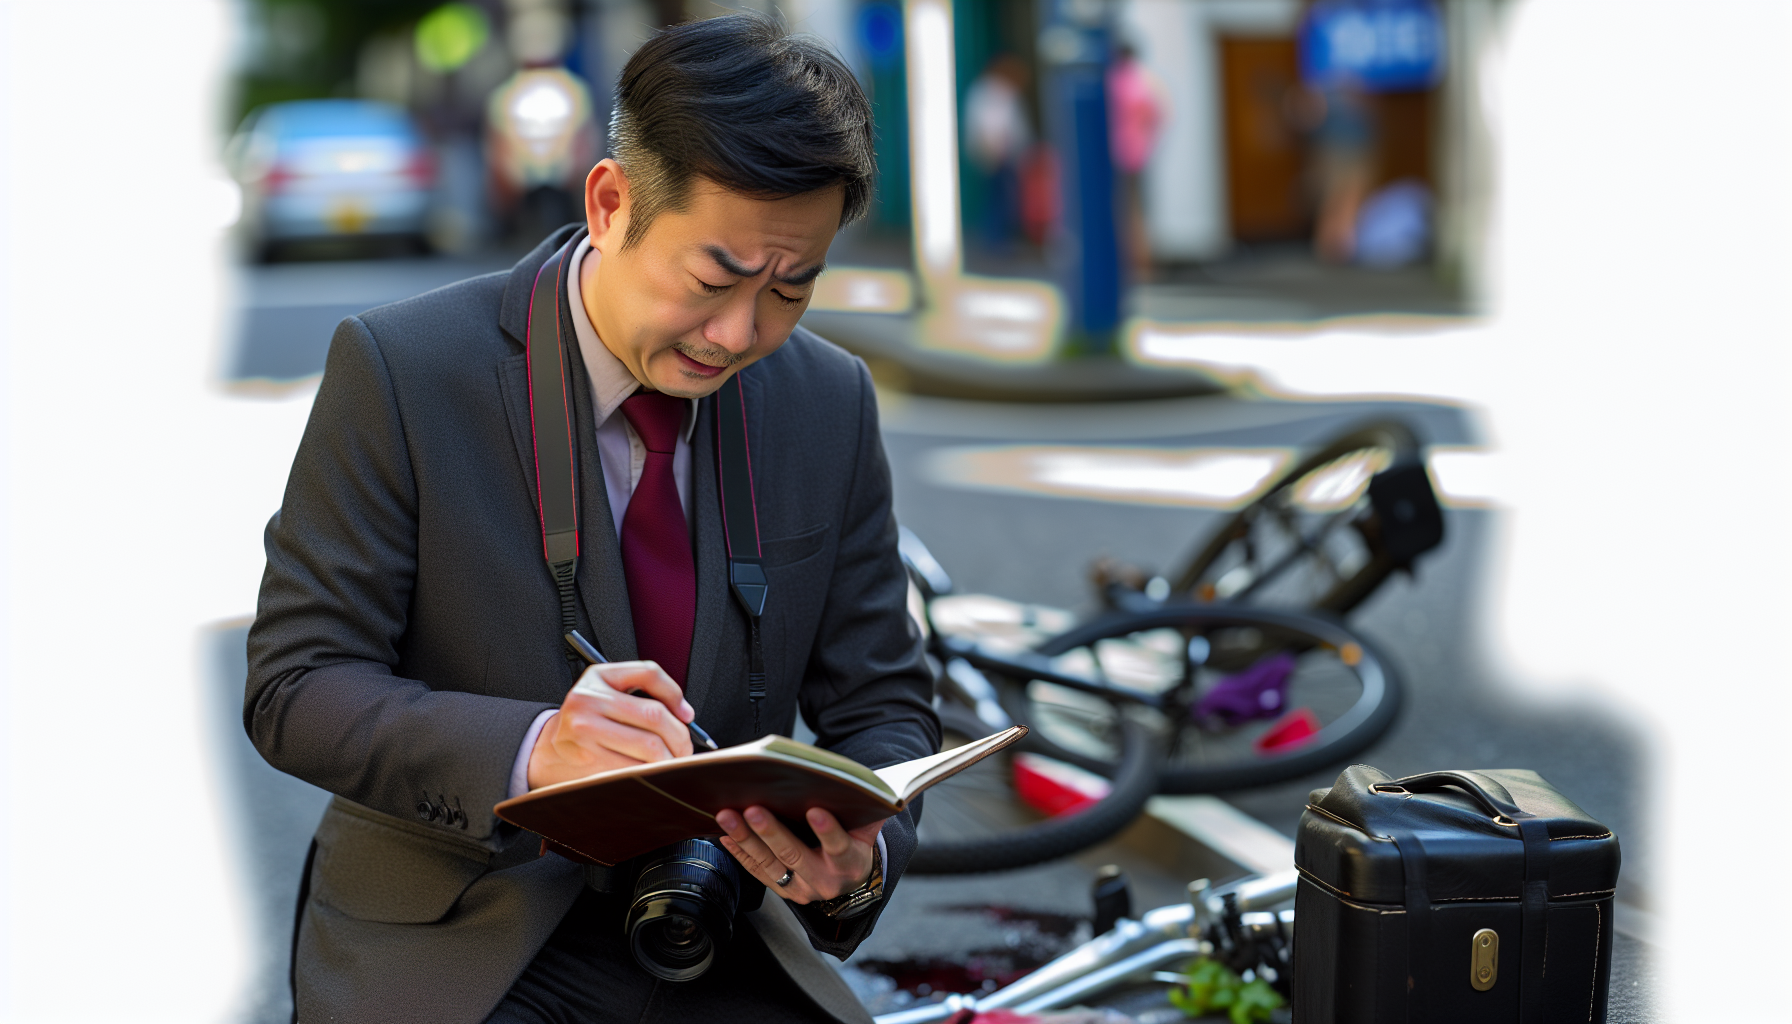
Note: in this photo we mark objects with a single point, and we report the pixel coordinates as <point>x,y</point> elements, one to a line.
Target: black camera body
<point>682,902</point>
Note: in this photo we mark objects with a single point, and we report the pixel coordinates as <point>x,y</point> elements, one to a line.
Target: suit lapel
<point>513,382</point>
<point>711,561</point>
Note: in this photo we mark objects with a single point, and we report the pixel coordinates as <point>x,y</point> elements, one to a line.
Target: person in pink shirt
<point>1136,111</point>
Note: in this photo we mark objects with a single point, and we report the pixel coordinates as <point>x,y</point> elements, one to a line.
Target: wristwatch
<point>857,902</point>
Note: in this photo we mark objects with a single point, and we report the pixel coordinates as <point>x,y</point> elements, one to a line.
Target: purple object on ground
<point>1260,691</point>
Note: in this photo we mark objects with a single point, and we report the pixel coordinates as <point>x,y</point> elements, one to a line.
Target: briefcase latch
<point>1484,959</point>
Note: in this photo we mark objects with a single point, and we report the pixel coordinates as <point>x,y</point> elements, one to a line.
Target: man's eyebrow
<point>804,276</point>
<point>738,269</point>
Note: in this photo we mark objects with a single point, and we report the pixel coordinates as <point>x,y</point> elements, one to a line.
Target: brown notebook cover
<point>612,816</point>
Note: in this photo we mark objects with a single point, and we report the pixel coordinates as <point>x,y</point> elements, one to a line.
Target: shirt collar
<point>611,382</point>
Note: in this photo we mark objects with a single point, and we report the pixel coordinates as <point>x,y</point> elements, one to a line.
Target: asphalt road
<point>1460,712</point>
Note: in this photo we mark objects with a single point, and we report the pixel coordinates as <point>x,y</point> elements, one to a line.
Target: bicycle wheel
<point>976,821</point>
<point>1250,696</point>
<point>1317,538</point>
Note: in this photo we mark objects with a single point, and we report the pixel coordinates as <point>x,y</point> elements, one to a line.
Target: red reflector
<point>1054,788</point>
<point>421,168</point>
<point>1289,731</point>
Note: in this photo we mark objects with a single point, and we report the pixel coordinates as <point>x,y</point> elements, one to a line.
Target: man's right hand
<point>601,726</point>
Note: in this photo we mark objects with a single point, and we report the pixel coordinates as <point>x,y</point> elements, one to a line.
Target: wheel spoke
<point>1304,544</point>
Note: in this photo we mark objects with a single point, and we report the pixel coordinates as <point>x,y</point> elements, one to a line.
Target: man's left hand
<point>767,849</point>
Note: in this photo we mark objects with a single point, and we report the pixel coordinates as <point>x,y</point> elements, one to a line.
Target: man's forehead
<point>750,229</point>
<point>787,263</point>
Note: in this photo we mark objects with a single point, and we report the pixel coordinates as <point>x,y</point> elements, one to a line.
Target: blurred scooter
<point>540,142</point>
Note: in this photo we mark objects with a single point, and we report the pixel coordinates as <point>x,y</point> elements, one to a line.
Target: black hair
<point>743,103</point>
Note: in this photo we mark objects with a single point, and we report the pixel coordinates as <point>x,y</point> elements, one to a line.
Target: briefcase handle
<point>1490,795</point>
<point>1534,905</point>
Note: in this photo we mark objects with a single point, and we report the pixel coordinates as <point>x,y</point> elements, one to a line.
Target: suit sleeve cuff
<point>519,769</point>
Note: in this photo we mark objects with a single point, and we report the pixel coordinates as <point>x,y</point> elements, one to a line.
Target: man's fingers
<point>767,849</point>
<point>645,676</point>
<point>619,724</point>
<point>630,742</point>
<point>835,842</point>
<point>797,890</point>
<point>776,837</point>
<point>640,713</point>
<point>747,841</point>
<point>651,715</point>
<point>748,848</point>
<point>757,859</point>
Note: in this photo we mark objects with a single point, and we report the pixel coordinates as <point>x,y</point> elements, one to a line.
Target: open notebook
<point>611,816</point>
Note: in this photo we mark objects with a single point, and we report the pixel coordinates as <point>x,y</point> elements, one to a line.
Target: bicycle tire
<point>1134,782</point>
<point>1404,449</point>
<point>956,718</point>
<point>1368,717</point>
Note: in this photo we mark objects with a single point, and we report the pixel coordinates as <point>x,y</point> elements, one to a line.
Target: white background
<point>1636,378</point>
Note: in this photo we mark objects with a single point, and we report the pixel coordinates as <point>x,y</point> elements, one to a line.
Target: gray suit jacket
<point>408,633</point>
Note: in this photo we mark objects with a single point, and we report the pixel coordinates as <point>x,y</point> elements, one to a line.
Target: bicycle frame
<point>1027,665</point>
<point>1132,951</point>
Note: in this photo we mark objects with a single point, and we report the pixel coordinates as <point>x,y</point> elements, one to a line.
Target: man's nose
<point>732,327</point>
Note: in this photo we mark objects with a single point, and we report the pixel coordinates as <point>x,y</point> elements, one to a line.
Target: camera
<point>681,913</point>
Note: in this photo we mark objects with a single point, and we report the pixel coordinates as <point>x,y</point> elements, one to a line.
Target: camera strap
<point>740,524</point>
<point>550,422</point>
<point>556,485</point>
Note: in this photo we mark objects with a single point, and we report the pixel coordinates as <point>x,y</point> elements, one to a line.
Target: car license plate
<point>347,217</point>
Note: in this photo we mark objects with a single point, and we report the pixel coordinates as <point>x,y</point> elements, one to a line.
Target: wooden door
<point>1403,137</point>
<point>1265,158</point>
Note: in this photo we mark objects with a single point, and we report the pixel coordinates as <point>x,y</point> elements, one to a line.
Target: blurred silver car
<point>318,169</point>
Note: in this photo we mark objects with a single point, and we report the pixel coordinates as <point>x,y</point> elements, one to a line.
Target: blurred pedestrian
<point>997,135</point>
<point>1040,192</point>
<point>1137,106</point>
<point>1344,140</point>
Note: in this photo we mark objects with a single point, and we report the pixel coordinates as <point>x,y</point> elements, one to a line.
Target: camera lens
<point>682,913</point>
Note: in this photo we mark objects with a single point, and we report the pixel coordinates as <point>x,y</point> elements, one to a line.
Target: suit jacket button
<point>426,810</point>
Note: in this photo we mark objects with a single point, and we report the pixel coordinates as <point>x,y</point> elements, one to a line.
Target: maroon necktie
<point>656,543</point>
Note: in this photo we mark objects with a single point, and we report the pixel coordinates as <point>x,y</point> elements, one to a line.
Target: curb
<point>888,344</point>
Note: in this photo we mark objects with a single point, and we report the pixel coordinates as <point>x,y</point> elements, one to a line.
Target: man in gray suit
<point>406,653</point>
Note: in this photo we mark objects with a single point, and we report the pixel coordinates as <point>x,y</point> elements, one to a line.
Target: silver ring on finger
<point>788,875</point>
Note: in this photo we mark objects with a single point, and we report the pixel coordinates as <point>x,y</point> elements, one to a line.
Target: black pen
<point>699,739</point>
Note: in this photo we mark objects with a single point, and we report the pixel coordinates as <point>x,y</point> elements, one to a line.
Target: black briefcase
<point>1460,897</point>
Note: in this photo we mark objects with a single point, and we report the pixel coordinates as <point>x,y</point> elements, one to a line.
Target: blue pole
<point>1074,49</point>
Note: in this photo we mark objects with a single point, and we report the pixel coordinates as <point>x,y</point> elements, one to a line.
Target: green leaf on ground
<point>1212,987</point>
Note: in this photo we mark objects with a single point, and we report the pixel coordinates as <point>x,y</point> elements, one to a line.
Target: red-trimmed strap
<point>740,524</point>
<point>740,515</point>
<point>550,422</point>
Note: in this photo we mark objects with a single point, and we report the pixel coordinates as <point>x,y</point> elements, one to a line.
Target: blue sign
<point>880,34</point>
<point>1378,45</point>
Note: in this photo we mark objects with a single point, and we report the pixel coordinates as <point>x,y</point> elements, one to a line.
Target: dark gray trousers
<point>586,975</point>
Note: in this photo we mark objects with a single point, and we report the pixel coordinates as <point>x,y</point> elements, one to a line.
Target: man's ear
<point>606,205</point>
